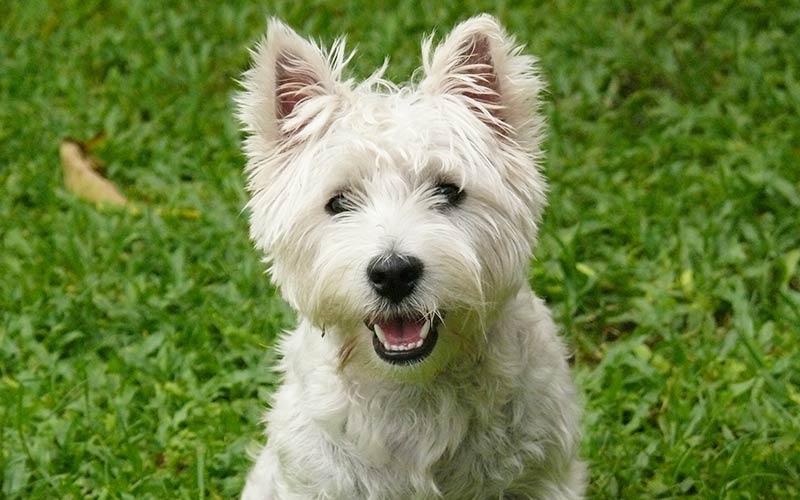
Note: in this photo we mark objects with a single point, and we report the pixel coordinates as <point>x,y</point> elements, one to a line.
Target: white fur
<point>492,412</point>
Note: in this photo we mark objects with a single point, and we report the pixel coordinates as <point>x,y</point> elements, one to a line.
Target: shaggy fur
<point>491,412</point>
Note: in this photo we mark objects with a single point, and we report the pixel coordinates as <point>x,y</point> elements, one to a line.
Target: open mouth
<point>404,340</point>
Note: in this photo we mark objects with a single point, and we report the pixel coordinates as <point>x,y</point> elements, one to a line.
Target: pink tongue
<point>401,332</point>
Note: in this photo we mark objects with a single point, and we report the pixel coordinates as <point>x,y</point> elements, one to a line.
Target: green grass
<point>134,347</point>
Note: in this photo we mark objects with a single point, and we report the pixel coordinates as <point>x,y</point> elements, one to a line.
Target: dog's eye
<point>452,194</point>
<point>338,204</point>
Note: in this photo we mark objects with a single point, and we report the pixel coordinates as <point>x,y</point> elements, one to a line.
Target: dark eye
<point>451,194</point>
<point>338,204</point>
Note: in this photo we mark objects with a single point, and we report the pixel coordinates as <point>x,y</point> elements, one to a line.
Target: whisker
<point>346,352</point>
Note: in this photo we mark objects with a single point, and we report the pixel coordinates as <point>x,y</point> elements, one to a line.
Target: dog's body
<point>504,426</point>
<point>399,223</point>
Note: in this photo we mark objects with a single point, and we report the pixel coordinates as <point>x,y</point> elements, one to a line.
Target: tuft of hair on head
<point>482,66</point>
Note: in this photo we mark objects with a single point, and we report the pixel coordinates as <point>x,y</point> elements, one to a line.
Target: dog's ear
<point>292,86</point>
<point>481,65</point>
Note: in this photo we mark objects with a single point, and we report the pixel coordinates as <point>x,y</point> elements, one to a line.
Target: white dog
<point>399,223</point>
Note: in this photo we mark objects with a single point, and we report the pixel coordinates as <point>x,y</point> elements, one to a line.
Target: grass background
<point>134,347</point>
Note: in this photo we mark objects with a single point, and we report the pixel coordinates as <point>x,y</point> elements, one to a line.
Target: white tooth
<point>380,334</point>
<point>418,343</point>
<point>425,329</point>
<point>387,346</point>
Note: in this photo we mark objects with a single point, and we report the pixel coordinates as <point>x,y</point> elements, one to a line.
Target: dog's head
<point>399,218</point>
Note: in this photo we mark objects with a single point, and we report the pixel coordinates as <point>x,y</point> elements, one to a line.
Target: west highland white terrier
<point>399,222</point>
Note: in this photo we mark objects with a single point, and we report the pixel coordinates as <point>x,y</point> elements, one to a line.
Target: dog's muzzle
<point>404,340</point>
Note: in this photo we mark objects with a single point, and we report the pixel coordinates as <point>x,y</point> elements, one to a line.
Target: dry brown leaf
<point>82,178</point>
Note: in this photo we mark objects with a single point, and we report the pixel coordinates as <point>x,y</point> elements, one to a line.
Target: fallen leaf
<point>82,178</point>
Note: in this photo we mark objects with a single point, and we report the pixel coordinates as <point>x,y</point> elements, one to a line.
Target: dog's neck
<point>356,407</point>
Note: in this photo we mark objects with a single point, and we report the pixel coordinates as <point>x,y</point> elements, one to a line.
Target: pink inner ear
<point>477,62</point>
<point>294,82</point>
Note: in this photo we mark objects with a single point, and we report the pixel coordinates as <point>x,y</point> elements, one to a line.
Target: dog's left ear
<point>481,65</point>
<point>292,87</point>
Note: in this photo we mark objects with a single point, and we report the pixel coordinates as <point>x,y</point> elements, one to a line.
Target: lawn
<point>135,343</point>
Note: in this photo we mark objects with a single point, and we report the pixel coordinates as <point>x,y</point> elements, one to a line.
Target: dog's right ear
<point>484,68</point>
<point>292,87</point>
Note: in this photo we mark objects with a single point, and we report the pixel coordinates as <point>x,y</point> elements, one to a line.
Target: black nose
<point>394,276</point>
